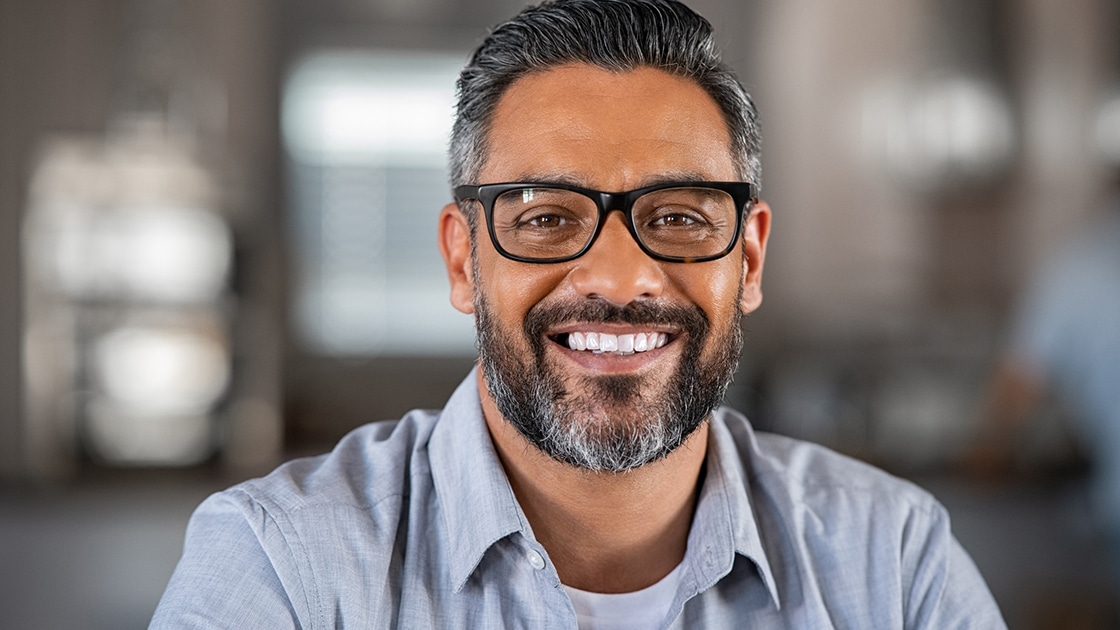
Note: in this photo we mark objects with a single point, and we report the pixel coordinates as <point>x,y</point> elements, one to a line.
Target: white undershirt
<point>646,608</point>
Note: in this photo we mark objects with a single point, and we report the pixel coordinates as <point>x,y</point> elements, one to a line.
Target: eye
<point>675,220</point>
<point>678,217</point>
<point>544,218</point>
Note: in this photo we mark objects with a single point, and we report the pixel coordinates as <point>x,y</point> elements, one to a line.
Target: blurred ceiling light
<point>1107,130</point>
<point>157,253</point>
<point>341,107</point>
<point>125,435</point>
<point>109,224</point>
<point>161,370</point>
<point>143,166</point>
<point>941,133</point>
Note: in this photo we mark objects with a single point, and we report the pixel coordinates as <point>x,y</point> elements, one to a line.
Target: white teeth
<point>626,343</point>
<point>621,344</point>
<point>608,343</point>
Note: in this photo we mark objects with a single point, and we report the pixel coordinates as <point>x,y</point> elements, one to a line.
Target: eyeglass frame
<point>742,193</point>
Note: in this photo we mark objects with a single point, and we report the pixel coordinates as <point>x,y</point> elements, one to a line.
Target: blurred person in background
<point>584,474</point>
<point>1064,343</point>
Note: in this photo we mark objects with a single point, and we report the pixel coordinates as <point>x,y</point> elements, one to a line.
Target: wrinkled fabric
<point>413,524</point>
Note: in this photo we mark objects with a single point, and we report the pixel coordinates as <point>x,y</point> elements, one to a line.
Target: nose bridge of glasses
<point>609,232</point>
<point>611,201</point>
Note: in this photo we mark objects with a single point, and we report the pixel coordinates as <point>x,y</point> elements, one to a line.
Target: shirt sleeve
<point>226,578</point>
<point>946,589</point>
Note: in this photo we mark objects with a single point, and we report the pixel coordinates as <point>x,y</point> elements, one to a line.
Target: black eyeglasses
<point>672,222</point>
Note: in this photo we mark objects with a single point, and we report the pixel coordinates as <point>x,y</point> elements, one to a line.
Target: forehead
<point>607,130</point>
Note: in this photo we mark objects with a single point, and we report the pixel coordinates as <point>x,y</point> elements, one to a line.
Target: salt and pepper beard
<point>608,423</point>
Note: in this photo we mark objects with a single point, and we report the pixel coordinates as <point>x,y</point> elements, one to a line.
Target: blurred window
<point>366,138</point>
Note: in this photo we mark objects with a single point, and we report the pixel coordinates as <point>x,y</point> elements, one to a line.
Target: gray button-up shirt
<point>413,524</point>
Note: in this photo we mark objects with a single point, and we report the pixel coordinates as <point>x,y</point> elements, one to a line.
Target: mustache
<point>542,317</point>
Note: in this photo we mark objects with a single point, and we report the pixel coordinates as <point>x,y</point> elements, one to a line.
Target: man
<point>583,476</point>
<point>1064,346</point>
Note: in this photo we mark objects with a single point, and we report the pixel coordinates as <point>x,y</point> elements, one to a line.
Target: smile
<point>607,343</point>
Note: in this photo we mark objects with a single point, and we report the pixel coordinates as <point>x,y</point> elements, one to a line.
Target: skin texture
<point>605,532</point>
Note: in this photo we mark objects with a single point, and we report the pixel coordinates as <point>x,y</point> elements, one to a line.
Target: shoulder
<point>356,495</point>
<point>853,533</point>
<point>817,491</point>
<point>293,540</point>
<point>372,463</point>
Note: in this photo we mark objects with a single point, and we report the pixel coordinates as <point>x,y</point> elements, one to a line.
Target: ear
<point>455,245</point>
<point>755,234</point>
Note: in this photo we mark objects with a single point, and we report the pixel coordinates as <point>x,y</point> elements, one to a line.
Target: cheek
<point>715,290</point>
<point>512,288</point>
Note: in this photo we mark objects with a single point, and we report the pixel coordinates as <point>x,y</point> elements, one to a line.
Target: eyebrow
<point>570,179</point>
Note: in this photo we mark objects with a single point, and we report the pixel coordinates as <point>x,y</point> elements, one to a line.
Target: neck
<point>605,532</point>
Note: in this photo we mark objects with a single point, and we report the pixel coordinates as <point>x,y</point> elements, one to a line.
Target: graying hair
<point>616,35</point>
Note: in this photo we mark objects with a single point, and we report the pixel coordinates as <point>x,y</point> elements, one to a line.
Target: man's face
<point>606,411</point>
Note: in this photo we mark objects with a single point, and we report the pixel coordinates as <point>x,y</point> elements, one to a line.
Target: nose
<point>616,269</point>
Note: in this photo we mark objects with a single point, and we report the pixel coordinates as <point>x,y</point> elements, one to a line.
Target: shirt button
<point>535,560</point>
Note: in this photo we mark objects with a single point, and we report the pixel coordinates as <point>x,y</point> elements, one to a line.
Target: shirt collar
<point>725,521</point>
<point>479,508</point>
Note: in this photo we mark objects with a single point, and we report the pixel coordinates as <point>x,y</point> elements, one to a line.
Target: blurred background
<point>217,252</point>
